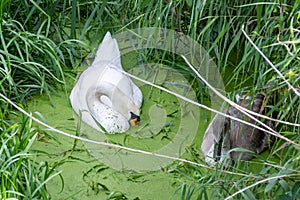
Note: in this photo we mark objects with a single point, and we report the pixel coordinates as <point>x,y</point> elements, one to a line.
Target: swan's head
<point>134,119</point>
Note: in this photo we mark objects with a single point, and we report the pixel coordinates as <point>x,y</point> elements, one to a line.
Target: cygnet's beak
<point>134,119</point>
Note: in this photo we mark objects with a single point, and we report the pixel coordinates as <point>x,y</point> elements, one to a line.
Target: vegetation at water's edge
<point>43,42</point>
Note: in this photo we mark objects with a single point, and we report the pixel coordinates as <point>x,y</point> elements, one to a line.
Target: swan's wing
<point>79,92</point>
<point>108,52</point>
<point>87,79</point>
<point>79,105</point>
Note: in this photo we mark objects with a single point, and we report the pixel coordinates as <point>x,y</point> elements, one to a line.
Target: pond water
<point>168,126</point>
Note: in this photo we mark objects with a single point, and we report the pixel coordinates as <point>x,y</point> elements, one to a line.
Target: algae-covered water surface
<point>168,126</point>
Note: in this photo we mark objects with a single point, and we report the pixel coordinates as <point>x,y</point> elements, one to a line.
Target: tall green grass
<point>36,51</point>
<point>43,42</point>
<point>21,176</point>
<point>36,55</point>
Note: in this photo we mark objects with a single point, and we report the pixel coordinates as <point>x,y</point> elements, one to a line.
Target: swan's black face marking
<point>134,119</point>
<point>134,116</point>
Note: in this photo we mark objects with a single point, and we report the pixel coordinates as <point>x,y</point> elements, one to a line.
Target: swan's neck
<point>112,97</point>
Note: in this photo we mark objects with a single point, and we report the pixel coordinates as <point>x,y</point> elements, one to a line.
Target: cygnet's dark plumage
<point>224,134</point>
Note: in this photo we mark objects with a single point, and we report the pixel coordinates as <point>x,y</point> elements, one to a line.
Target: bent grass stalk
<point>270,63</point>
<point>260,182</point>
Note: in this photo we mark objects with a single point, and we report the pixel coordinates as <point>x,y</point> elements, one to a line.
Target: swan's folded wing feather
<point>108,51</point>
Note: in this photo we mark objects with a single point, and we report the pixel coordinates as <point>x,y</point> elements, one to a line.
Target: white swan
<point>104,96</point>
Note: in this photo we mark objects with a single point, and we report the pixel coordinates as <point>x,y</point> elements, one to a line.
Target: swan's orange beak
<point>134,122</point>
<point>134,119</point>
